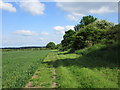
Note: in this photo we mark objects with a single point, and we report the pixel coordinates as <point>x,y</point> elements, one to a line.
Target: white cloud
<point>24,32</point>
<point>44,33</point>
<point>62,29</point>
<point>34,7</point>
<point>41,39</point>
<point>76,10</point>
<point>7,6</point>
<point>69,27</point>
<point>59,28</point>
<point>74,16</point>
<point>102,10</point>
<point>78,14</point>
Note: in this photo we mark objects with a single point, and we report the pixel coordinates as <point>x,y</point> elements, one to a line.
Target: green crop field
<point>93,67</point>
<point>19,66</point>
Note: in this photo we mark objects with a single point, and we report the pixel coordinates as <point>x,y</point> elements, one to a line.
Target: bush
<point>51,45</point>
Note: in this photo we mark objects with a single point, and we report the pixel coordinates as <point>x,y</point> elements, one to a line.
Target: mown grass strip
<point>45,73</point>
<point>65,78</point>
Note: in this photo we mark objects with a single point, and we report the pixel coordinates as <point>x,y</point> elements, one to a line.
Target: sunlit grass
<point>92,67</point>
<point>89,70</point>
<point>44,73</point>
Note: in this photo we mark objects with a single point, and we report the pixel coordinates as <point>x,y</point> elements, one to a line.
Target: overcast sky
<point>37,23</point>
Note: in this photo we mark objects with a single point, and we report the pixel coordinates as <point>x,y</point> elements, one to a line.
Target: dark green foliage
<point>78,27</point>
<point>102,24</point>
<point>86,20</point>
<point>90,31</point>
<point>88,36</point>
<point>58,45</point>
<point>51,45</point>
<point>68,39</point>
<point>114,33</point>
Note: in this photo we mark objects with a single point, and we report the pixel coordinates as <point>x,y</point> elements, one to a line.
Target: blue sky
<point>37,23</point>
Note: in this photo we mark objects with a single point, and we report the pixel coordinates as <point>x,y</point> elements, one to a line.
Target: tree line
<point>86,33</point>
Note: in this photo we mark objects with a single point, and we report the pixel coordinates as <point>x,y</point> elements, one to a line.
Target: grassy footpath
<point>75,71</point>
<point>45,74</point>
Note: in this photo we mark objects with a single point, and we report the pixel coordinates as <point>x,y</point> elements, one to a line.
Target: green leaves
<point>86,20</point>
<point>102,24</point>
<point>51,45</point>
<point>69,38</point>
<point>90,31</point>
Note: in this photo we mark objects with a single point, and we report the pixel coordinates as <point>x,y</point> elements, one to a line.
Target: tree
<point>103,24</point>
<point>89,32</point>
<point>78,27</point>
<point>86,20</point>
<point>51,45</point>
<point>113,35</point>
<point>59,46</point>
<point>88,36</point>
<point>68,39</point>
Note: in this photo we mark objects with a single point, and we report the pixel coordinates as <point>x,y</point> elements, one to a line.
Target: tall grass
<point>93,67</point>
<point>102,52</point>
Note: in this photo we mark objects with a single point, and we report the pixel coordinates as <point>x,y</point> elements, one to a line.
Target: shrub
<point>51,45</point>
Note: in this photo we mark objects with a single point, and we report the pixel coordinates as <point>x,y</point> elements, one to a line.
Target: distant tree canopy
<point>89,32</point>
<point>85,21</point>
<point>51,45</point>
